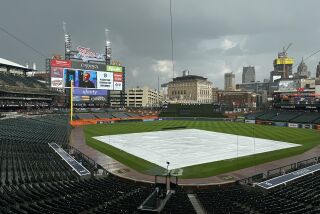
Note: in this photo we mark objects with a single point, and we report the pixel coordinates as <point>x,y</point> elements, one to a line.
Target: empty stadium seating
<point>34,179</point>
<point>179,203</point>
<point>300,196</point>
<point>308,117</point>
<point>21,81</point>
<point>285,116</point>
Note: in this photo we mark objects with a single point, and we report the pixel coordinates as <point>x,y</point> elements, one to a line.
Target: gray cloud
<point>210,37</point>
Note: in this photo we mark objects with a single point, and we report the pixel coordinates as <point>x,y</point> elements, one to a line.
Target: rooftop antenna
<point>108,47</point>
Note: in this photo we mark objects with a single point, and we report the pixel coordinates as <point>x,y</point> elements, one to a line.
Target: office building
<point>229,81</point>
<point>143,97</point>
<point>189,89</point>
<point>248,74</point>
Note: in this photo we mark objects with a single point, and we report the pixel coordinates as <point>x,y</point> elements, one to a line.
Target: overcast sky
<point>210,37</point>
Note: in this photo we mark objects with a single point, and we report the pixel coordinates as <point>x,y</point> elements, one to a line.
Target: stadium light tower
<point>67,41</point>
<point>168,177</point>
<point>108,47</point>
<point>168,163</point>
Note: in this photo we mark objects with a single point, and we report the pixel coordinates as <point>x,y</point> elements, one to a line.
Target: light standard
<point>168,176</point>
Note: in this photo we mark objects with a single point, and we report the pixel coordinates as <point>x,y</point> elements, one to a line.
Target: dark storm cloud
<point>210,37</point>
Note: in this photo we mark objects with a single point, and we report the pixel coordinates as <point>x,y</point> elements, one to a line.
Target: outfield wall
<point>82,122</point>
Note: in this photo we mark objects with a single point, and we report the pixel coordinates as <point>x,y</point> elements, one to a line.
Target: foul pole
<point>71,101</point>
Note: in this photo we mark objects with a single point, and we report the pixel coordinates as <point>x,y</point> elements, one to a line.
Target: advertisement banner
<point>57,72</point>
<point>60,63</point>
<point>105,80</point>
<point>56,82</point>
<point>114,68</point>
<point>88,66</point>
<point>293,125</point>
<point>117,86</point>
<point>250,121</point>
<point>89,92</point>
<point>117,77</point>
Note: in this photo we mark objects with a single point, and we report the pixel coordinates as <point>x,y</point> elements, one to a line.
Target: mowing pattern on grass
<point>307,138</point>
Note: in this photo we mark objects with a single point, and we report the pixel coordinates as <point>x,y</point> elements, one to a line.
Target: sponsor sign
<point>293,125</point>
<point>88,66</point>
<point>76,98</point>
<point>86,54</point>
<point>56,82</point>
<point>89,92</point>
<point>117,77</point>
<point>114,68</point>
<point>98,98</point>
<point>105,80</point>
<point>280,124</point>
<point>57,72</point>
<point>306,126</point>
<point>60,63</point>
<point>117,86</point>
<point>250,121</point>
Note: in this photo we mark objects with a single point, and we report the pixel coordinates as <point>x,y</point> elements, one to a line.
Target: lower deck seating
<point>300,196</point>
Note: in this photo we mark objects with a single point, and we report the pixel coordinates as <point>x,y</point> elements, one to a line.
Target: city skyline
<point>210,39</point>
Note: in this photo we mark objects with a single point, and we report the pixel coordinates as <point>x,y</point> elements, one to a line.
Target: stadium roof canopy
<point>13,64</point>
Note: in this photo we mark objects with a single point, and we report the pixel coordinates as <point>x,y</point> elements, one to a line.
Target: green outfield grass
<point>306,137</point>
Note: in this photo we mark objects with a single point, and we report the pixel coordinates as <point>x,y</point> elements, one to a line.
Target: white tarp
<point>189,147</point>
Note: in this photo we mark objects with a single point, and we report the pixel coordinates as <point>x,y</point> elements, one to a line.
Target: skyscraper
<point>282,66</point>
<point>229,82</point>
<point>318,71</point>
<point>248,74</point>
<point>302,70</point>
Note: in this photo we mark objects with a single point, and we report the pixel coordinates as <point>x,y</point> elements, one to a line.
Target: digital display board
<point>288,85</point>
<point>85,75</point>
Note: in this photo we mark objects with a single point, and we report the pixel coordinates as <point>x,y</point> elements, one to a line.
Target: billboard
<point>56,82</point>
<point>89,92</point>
<point>85,75</point>
<point>105,80</point>
<point>60,63</point>
<point>288,85</point>
<point>88,66</point>
<point>117,81</point>
<point>113,68</point>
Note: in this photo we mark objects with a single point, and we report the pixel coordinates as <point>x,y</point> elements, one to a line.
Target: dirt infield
<point>77,140</point>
